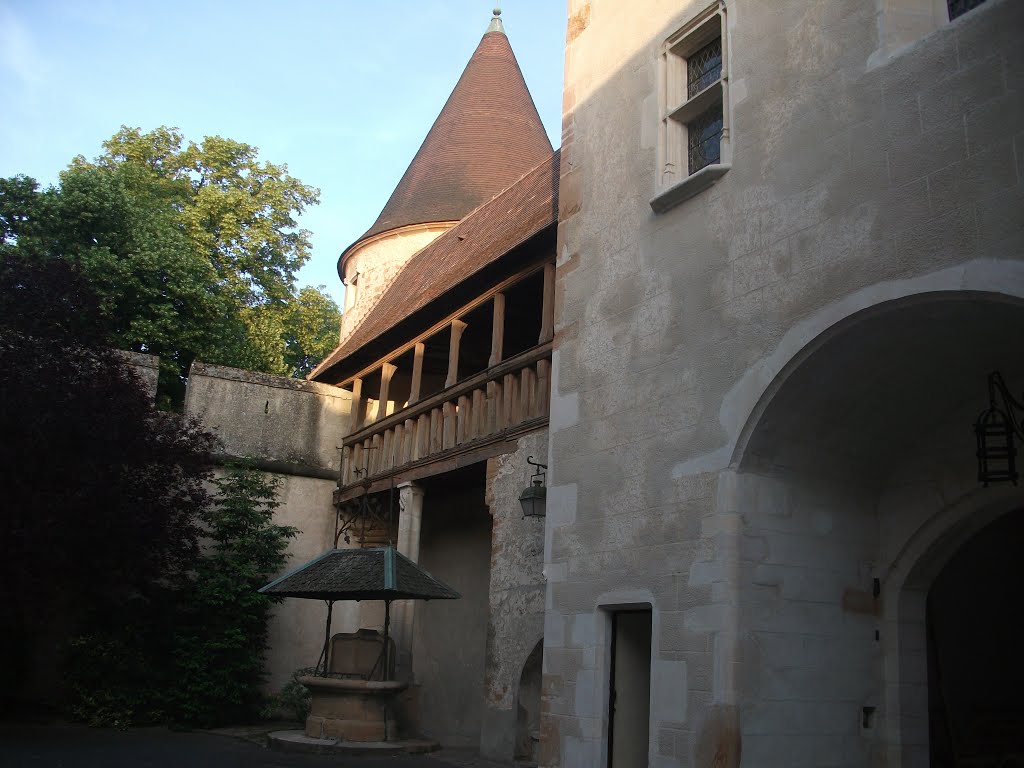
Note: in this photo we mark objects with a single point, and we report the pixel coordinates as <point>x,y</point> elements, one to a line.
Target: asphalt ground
<point>74,746</point>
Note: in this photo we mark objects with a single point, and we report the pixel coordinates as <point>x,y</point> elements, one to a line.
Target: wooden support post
<point>453,353</point>
<point>448,433</point>
<point>478,426</point>
<point>497,330</point>
<point>516,399</point>
<point>422,436</point>
<point>374,454</point>
<point>357,462</point>
<point>386,372</point>
<point>346,465</point>
<point>435,431</point>
<point>508,392</point>
<point>543,386</point>
<point>493,407</point>
<point>355,415</point>
<point>417,373</point>
<point>527,398</point>
<point>409,444</point>
<point>465,414</point>
<point>385,451</point>
<point>547,320</point>
<point>396,445</point>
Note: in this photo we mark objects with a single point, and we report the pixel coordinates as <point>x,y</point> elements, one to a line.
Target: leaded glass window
<point>960,7</point>
<point>694,137</point>
<point>705,135</point>
<point>703,67</point>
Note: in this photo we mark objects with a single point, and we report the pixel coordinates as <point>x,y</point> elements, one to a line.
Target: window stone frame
<point>674,183</point>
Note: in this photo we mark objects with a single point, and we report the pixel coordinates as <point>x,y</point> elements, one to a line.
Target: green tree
<point>192,249</point>
<point>102,497</point>
<point>219,650</point>
<point>311,330</point>
<point>237,212</point>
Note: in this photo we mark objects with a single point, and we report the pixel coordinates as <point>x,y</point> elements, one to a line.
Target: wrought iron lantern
<point>534,498</point>
<point>995,430</point>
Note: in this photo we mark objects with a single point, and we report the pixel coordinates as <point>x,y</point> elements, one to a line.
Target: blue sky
<point>342,91</point>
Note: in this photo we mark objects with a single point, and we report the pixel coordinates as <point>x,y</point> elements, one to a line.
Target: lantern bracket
<point>995,429</point>
<point>531,462</point>
<point>533,498</point>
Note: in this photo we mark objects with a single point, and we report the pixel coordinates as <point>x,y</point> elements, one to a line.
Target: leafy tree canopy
<point>191,248</point>
<point>128,586</point>
<point>103,493</point>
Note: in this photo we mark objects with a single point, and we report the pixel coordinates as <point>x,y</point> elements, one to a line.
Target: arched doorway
<point>861,442</point>
<point>528,707</point>
<point>974,633</point>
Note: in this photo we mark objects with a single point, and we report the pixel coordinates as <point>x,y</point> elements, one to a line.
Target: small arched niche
<point>528,706</point>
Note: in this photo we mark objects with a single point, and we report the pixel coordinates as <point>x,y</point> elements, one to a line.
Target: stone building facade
<point>764,503</point>
<point>746,313</point>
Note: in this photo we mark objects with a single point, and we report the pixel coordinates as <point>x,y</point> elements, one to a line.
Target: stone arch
<point>745,402</point>
<point>854,472</point>
<point>906,581</point>
<point>527,700</point>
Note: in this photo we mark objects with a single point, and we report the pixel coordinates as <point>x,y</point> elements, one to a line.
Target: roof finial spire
<point>496,25</point>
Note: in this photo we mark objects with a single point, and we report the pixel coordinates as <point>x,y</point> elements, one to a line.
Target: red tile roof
<point>487,135</point>
<point>511,218</point>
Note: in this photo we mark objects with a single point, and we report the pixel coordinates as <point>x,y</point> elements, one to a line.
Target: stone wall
<point>146,367</point>
<point>451,635</point>
<point>516,597</point>
<point>374,265</point>
<point>290,428</point>
<point>856,179</point>
<point>273,418</point>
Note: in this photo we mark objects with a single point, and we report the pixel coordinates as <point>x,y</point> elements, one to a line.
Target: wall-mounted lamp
<point>995,429</point>
<point>534,498</point>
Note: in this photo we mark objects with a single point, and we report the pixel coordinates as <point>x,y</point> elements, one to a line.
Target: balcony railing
<point>506,399</point>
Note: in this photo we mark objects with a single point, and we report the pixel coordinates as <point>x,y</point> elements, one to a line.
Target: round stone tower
<point>487,135</point>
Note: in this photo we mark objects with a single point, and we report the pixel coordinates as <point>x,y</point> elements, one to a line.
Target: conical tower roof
<point>487,136</point>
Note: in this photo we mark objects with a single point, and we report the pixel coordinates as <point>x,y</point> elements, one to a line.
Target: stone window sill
<point>688,187</point>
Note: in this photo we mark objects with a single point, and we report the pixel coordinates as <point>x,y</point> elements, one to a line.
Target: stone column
<point>409,518</point>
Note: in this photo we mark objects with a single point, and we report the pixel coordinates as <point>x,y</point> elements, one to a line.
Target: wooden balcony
<point>455,426</point>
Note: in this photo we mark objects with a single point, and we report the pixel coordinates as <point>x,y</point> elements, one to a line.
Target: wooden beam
<point>386,372</point>
<point>417,372</point>
<point>547,321</point>
<point>497,330</point>
<point>453,353</point>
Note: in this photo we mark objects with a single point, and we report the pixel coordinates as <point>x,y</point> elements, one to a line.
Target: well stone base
<point>352,710</point>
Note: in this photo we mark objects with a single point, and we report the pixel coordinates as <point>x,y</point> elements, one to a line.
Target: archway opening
<point>859,444</point>
<point>528,706</point>
<point>975,668</point>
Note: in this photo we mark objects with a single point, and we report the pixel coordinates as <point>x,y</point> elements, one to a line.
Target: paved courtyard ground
<point>72,746</point>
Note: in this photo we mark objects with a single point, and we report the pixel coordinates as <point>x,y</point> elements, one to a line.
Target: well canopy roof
<point>377,573</point>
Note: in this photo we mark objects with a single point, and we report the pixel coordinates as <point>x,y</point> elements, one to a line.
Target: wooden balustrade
<point>483,408</point>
